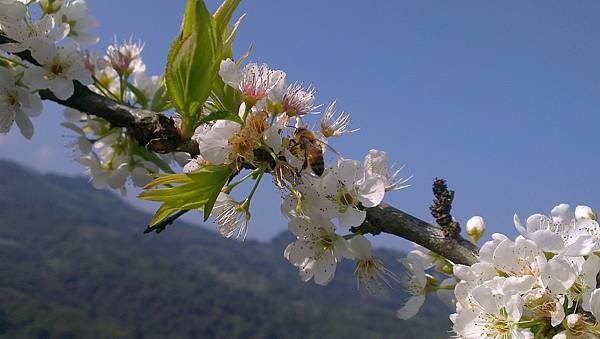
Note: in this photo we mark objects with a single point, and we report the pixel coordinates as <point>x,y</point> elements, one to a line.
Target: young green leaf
<point>198,189</point>
<point>224,13</point>
<point>193,63</point>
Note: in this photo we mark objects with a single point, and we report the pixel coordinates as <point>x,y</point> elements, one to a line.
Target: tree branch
<point>158,133</point>
<point>388,219</point>
<point>155,131</point>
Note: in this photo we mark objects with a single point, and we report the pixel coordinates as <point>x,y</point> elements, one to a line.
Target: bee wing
<point>327,146</point>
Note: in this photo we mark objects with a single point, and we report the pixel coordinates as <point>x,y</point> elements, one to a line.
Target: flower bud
<point>585,212</point>
<point>475,228</point>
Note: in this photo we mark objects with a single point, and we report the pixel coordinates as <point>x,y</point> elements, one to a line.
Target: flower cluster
<point>543,283</point>
<point>110,154</point>
<point>268,136</point>
<point>56,66</point>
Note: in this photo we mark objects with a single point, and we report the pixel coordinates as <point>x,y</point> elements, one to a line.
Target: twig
<point>161,226</point>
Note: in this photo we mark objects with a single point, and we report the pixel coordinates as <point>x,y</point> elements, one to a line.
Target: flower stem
<point>260,175</point>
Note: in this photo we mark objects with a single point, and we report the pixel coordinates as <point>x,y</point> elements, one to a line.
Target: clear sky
<point>500,98</point>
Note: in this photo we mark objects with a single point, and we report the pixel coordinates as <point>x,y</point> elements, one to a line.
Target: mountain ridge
<point>75,264</point>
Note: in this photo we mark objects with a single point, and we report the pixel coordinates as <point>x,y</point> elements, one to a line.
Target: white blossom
<point>60,67</point>
<point>76,15</point>
<point>17,104</point>
<point>317,249</point>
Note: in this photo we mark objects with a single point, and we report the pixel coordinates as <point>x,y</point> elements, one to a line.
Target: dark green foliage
<point>75,264</point>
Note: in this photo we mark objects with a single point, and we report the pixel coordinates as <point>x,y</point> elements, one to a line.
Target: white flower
<point>585,283</point>
<point>23,32</point>
<point>148,85</point>
<point>317,248</point>
<point>415,285</point>
<point>332,126</point>
<point>11,12</point>
<point>125,58</point>
<point>254,81</point>
<point>77,16</point>
<point>475,228</point>
<point>492,316</point>
<point>17,104</point>
<point>595,303</point>
<point>370,271</point>
<point>576,327</point>
<point>194,164</point>
<point>213,141</point>
<point>561,233</point>
<point>60,67</point>
<point>298,101</point>
<point>273,139</point>
<point>83,143</point>
<point>377,164</point>
<point>98,174</point>
<point>585,212</point>
<point>345,186</point>
<point>231,216</point>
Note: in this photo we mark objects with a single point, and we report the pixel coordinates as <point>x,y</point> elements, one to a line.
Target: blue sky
<point>500,98</point>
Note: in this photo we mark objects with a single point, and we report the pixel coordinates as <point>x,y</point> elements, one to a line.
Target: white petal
<point>411,307</point>
<point>62,88</point>
<point>324,269</point>
<point>230,73</point>
<point>371,191</point>
<point>24,124</point>
<point>352,217</point>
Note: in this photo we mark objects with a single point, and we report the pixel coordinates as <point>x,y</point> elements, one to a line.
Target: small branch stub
<point>442,206</point>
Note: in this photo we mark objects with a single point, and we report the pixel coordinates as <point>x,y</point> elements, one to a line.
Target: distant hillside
<point>75,264</point>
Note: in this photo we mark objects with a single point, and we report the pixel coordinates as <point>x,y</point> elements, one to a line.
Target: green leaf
<point>229,37</point>
<point>168,179</point>
<point>193,63</point>
<point>224,13</point>
<point>198,189</point>
<point>160,100</point>
<point>139,95</point>
<point>222,115</point>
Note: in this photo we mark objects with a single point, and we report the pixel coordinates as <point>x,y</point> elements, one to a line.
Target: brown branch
<point>387,219</point>
<point>158,133</point>
<point>155,131</point>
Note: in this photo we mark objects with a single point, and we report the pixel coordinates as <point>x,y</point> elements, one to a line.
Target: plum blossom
<point>317,249</point>
<point>231,216</point>
<point>561,233</point>
<point>492,316</point>
<point>60,67</point>
<point>345,186</point>
<point>376,164</point>
<point>254,81</point>
<point>17,104</point>
<point>332,126</point>
<point>415,285</point>
<point>370,271</point>
<point>76,15</point>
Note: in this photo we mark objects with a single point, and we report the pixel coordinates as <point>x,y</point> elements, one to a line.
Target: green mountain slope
<point>75,264</point>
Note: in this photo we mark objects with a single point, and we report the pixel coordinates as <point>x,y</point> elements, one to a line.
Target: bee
<point>312,148</point>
